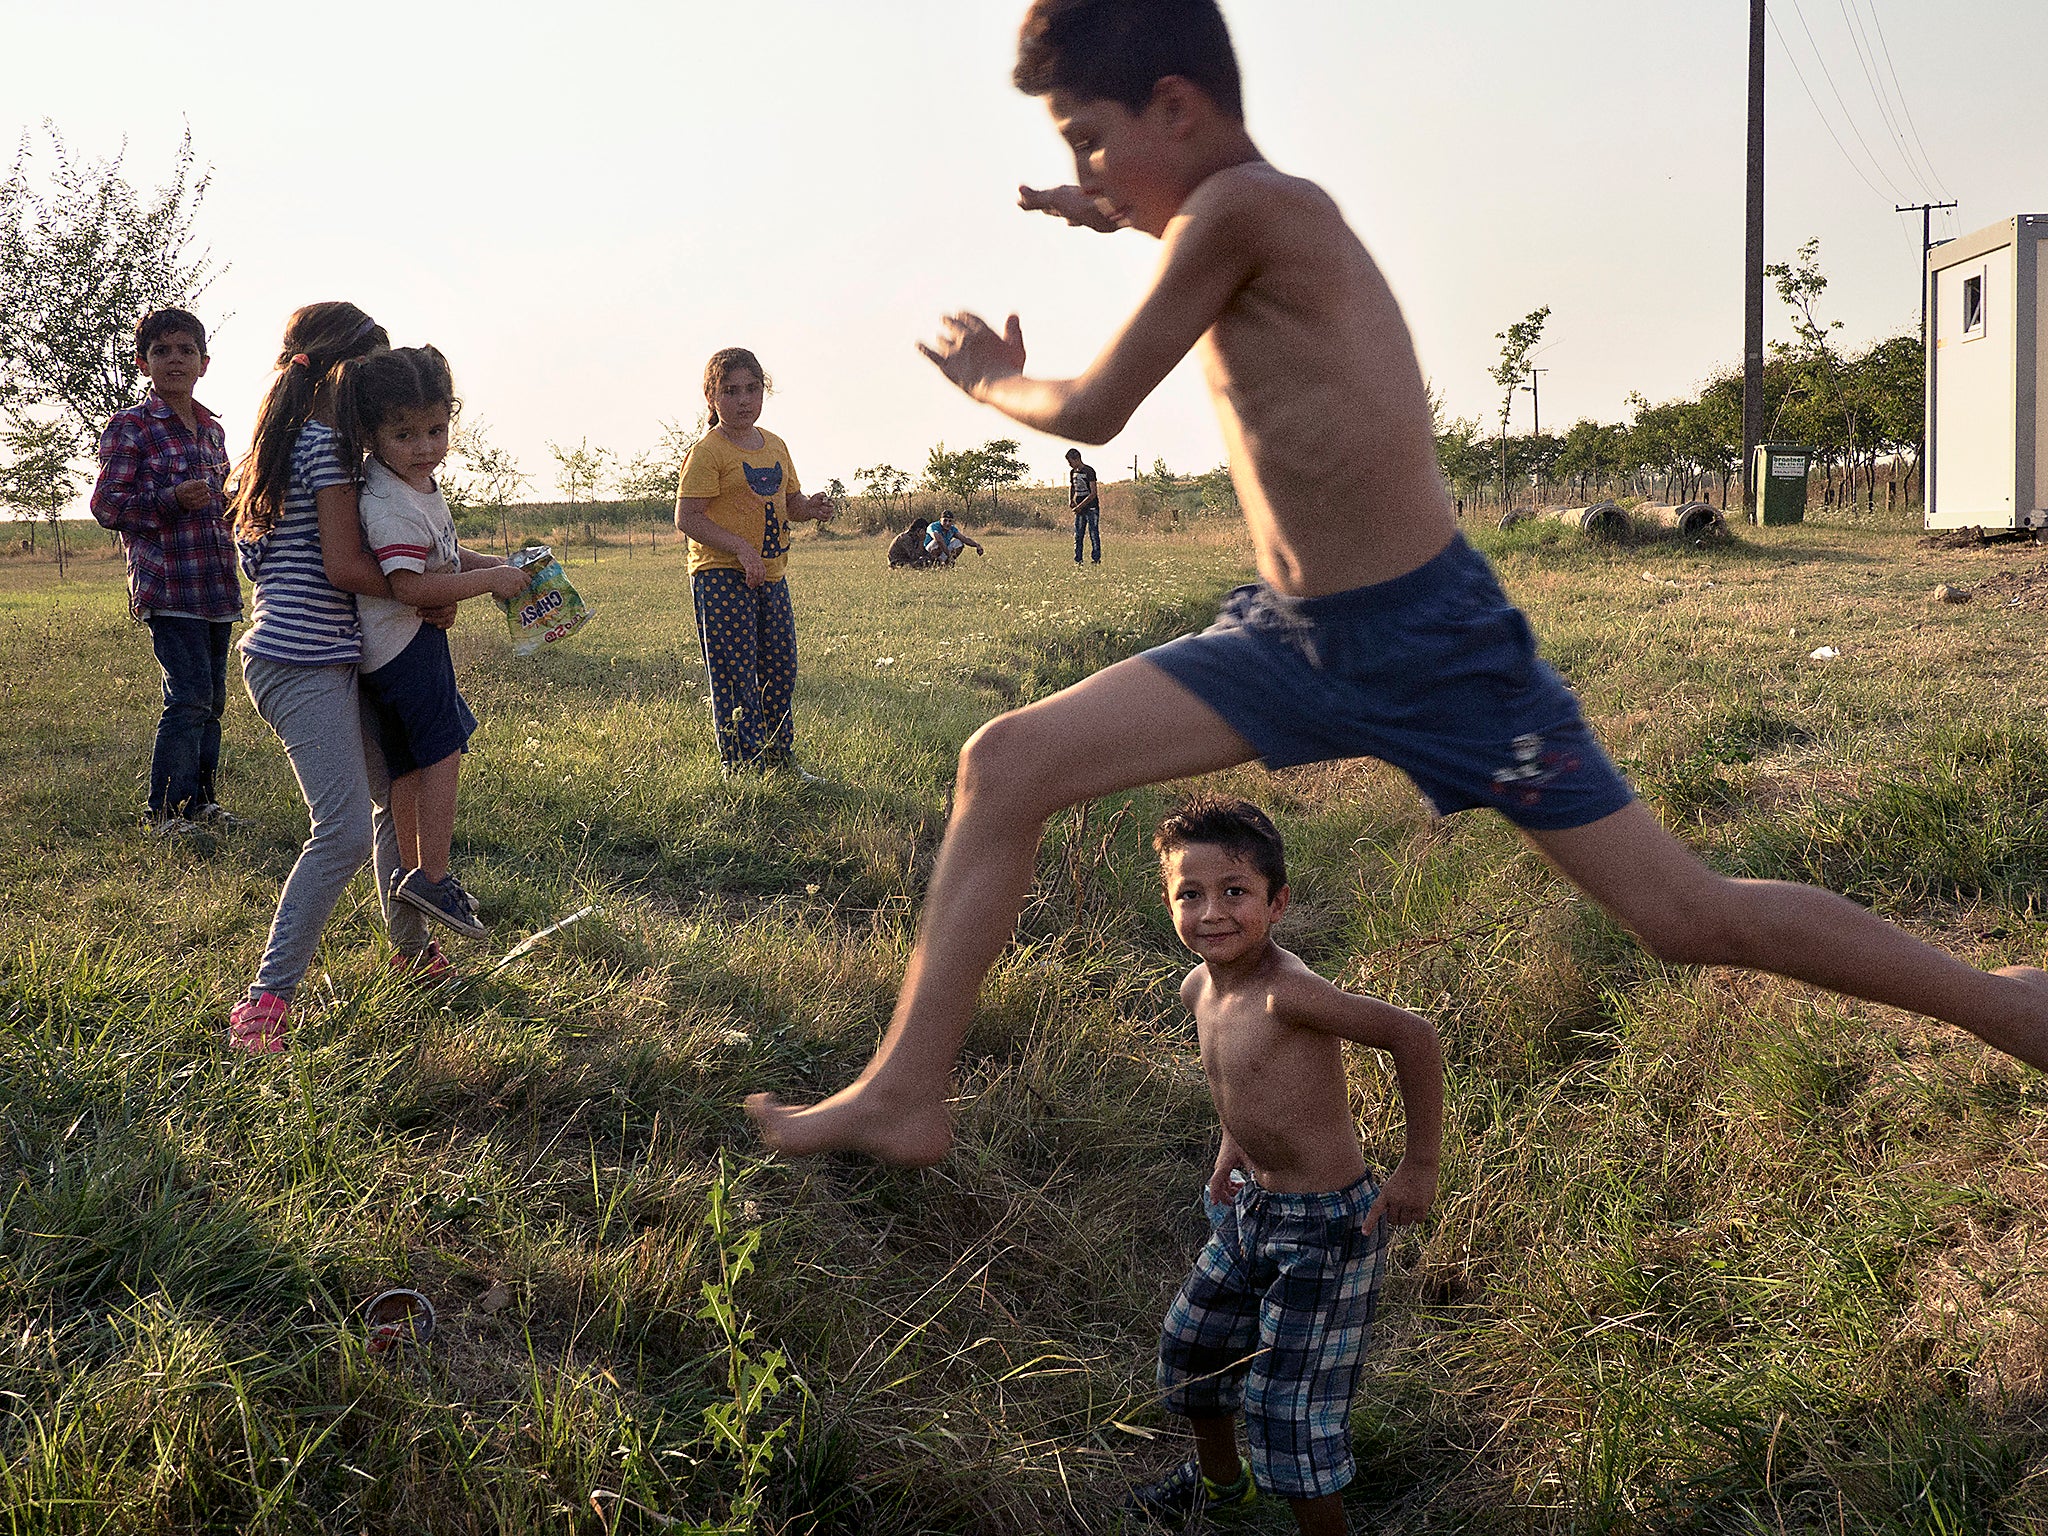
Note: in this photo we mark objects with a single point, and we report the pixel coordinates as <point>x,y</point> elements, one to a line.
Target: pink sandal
<point>425,968</point>
<point>257,1024</point>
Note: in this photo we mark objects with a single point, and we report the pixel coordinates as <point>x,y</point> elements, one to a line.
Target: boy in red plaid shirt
<point>163,475</point>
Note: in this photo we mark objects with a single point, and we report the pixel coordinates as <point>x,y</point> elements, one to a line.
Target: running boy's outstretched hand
<point>973,355</point>
<point>1069,203</point>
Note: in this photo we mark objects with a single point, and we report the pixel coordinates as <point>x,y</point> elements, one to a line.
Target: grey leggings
<point>317,714</point>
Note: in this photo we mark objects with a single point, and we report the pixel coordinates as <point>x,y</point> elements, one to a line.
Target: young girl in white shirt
<point>395,410</point>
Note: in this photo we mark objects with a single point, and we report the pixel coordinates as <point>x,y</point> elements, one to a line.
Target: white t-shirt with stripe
<point>407,530</point>
<point>300,616</point>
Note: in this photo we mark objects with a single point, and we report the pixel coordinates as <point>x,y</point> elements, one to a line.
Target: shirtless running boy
<point>1376,630</point>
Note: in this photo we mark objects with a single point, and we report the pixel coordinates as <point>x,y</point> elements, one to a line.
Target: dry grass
<point>1715,1252</point>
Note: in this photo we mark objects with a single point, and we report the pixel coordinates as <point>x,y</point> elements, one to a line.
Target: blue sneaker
<point>1184,1494</point>
<point>444,900</point>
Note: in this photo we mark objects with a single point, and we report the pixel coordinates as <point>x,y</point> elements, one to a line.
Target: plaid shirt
<point>178,561</point>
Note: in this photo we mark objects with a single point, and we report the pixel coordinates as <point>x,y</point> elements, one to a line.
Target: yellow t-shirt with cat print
<point>748,494</point>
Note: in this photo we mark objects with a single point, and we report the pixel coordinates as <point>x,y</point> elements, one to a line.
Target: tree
<point>954,474</point>
<point>1891,377</point>
<point>488,479</point>
<point>1591,458</point>
<point>655,474</point>
<point>1518,341</point>
<point>1462,453</point>
<point>1001,464</point>
<point>885,482</point>
<point>82,259</point>
<point>1820,407</point>
<point>995,464</point>
<point>41,477</point>
<point>582,468</point>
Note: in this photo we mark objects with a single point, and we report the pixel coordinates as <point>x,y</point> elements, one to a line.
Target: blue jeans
<point>194,656</point>
<point>1088,521</point>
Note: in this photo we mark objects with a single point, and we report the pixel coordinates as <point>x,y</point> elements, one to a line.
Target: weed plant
<point>1714,1252</point>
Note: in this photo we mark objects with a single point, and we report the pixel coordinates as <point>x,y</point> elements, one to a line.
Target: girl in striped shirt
<point>299,540</point>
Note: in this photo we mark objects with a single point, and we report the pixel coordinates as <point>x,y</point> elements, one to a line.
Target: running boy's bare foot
<point>855,1119</point>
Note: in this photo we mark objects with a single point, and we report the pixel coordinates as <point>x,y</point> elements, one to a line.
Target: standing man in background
<point>1087,504</point>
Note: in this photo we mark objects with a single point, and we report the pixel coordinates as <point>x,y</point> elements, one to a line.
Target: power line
<point>1878,23</point>
<point>1866,60</point>
<point>1800,75</point>
<point>1847,116</point>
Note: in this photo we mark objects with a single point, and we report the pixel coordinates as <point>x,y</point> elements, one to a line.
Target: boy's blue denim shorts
<point>1273,1322</point>
<point>1435,672</point>
<point>421,716</point>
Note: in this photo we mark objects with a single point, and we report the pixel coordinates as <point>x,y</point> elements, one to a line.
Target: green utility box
<point>1779,476</point>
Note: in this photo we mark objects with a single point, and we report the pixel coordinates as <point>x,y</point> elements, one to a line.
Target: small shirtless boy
<point>1375,629</point>
<point>1275,1316</point>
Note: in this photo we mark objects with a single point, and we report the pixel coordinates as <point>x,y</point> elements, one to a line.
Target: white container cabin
<point>1987,378</point>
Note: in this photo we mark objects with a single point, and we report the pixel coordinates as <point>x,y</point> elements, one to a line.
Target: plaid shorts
<point>1273,1322</point>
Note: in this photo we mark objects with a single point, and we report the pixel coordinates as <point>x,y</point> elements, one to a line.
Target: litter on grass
<point>398,1316</point>
<point>526,945</point>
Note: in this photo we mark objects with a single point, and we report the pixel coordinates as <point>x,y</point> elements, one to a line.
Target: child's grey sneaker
<point>444,900</point>
<point>211,815</point>
<point>1184,1493</point>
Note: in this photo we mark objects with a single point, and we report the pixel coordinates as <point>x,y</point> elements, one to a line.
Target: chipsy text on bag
<point>548,610</point>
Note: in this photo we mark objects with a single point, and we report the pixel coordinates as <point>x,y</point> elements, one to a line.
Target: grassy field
<point>1713,1253</point>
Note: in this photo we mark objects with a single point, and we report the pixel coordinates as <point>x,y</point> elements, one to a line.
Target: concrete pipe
<point>1692,519</point>
<point>1602,520</point>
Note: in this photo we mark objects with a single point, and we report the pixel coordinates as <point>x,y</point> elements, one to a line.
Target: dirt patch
<point>1966,538</point>
<point>2018,586</point>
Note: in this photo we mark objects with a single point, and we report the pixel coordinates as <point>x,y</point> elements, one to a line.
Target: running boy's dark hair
<point>159,323</point>
<point>724,361</point>
<point>316,338</point>
<point>1235,825</point>
<point>369,390</point>
<point>1118,50</point>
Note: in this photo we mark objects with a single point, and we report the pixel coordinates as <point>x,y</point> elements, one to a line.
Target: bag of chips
<point>549,609</point>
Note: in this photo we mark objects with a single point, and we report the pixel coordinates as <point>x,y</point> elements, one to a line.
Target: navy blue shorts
<point>1435,672</point>
<point>421,716</point>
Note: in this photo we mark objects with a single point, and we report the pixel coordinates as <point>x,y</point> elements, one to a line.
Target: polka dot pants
<point>749,639</point>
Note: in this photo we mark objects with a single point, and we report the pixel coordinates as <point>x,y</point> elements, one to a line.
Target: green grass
<point>1713,1252</point>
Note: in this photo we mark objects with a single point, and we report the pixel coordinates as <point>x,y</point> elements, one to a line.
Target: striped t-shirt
<point>300,616</point>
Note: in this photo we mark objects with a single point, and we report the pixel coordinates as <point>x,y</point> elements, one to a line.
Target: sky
<point>579,204</point>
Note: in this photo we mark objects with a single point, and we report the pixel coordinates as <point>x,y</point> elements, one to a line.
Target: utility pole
<point>1535,403</point>
<point>1926,212</point>
<point>1926,245</point>
<point>1753,270</point>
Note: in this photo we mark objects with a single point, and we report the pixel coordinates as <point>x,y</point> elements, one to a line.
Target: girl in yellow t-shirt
<point>736,500</point>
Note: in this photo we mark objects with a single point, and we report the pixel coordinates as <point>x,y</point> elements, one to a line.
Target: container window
<point>1973,305</point>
